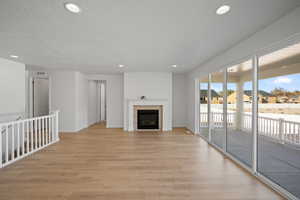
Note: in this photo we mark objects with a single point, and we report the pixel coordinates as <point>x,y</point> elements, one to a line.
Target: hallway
<point>100,163</point>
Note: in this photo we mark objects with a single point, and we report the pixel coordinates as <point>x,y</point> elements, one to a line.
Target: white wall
<point>114,99</point>
<point>179,100</point>
<point>279,34</point>
<point>63,95</point>
<point>70,95</point>
<point>27,101</point>
<point>192,107</point>
<point>152,85</point>
<point>12,88</point>
<point>82,107</point>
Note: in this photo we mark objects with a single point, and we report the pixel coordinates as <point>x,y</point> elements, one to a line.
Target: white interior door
<point>40,97</point>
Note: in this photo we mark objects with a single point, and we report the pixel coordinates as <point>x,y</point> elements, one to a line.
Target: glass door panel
<point>204,130</point>
<point>217,110</point>
<point>279,118</point>
<point>239,112</point>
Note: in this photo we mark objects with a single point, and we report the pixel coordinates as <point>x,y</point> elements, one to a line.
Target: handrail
<point>28,119</point>
<point>18,119</point>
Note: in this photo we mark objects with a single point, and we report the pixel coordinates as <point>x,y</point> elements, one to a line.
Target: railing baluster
<point>40,133</point>
<point>272,128</point>
<point>35,134</point>
<point>268,127</point>
<point>53,128</point>
<point>49,131</point>
<point>31,135</point>
<point>284,132</point>
<point>12,142</point>
<point>23,138</point>
<point>6,144</point>
<point>289,132</point>
<point>18,139</point>
<point>294,133</point>
<point>27,136</point>
<point>43,132</point>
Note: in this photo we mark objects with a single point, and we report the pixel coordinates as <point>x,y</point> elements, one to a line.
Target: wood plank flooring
<point>108,164</point>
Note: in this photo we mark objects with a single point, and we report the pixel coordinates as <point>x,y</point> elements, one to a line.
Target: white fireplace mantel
<point>166,111</point>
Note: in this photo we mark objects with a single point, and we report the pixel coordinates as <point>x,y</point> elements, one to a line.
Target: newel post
<point>56,126</point>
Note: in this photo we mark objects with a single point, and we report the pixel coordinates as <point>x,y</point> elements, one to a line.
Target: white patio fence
<point>21,138</point>
<point>279,129</point>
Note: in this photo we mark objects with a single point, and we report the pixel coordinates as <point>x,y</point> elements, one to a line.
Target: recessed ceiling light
<point>223,10</point>
<point>121,66</point>
<point>14,56</point>
<point>72,7</point>
<point>174,66</point>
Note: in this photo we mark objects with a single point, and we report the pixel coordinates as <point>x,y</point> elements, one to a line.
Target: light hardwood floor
<point>107,164</point>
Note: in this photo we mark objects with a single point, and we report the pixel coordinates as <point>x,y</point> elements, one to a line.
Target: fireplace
<point>147,119</point>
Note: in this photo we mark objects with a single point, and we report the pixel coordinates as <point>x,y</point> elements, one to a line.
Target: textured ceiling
<point>144,35</point>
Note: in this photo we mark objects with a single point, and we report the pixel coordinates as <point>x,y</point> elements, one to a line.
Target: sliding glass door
<point>270,147</point>
<point>239,112</point>
<point>279,118</point>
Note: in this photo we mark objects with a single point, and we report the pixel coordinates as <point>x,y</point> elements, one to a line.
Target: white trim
<point>254,112</point>
<point>197,106</point>
<point>225,108</point>
<point>114,126</point>
<point>209,107</point>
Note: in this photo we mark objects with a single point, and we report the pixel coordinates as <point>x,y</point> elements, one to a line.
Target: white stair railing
<point>21,138</point>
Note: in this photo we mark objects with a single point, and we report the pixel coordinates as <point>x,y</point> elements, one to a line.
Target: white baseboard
<point>114,126</point>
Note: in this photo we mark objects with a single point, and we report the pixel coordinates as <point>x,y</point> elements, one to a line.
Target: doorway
<point>40,97</point>
<point>97,102</point>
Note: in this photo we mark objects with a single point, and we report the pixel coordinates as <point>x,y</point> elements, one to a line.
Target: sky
<point>287,82</point>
